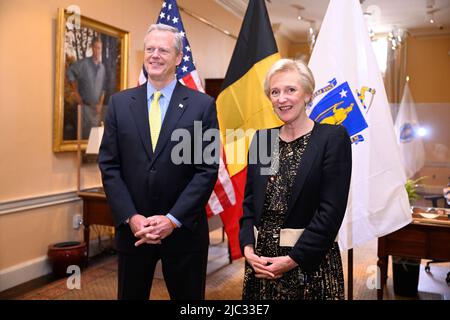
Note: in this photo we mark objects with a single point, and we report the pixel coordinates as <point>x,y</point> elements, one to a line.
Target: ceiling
<point>382,16</point>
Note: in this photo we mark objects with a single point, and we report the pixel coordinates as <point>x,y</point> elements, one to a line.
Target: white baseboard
<point>23,272</point>
<point>34,268</point>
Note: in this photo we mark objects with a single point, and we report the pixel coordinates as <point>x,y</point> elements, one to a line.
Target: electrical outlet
<point>77,221</point>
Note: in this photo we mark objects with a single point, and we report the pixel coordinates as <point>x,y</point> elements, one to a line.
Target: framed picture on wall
<point>91,65</point>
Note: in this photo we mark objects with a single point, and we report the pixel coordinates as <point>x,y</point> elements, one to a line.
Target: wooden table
<point>95,211</point>
<point>422,238</point>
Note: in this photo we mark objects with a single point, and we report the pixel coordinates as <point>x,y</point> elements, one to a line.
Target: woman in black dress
<point>294,205</point>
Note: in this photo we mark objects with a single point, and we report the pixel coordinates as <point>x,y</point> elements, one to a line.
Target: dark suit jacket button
<point>152,169</point>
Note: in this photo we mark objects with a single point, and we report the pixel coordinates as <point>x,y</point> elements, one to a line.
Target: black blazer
<point>138,180</point>
<point>319,194</point>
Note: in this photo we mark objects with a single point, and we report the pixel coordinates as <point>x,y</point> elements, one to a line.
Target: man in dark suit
<point>158,203</point>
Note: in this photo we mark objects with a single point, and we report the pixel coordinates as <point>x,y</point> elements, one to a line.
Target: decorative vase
<point>64,254</point>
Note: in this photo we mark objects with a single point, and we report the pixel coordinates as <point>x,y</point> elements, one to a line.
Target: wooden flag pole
<point>350,274</point>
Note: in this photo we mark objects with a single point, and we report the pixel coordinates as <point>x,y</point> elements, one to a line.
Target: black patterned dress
<point>327,282</point>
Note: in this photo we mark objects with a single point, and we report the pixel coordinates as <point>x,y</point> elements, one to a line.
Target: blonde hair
<point>305,76</point>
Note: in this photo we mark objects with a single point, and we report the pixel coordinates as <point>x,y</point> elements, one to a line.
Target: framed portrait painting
<point>91,65</point>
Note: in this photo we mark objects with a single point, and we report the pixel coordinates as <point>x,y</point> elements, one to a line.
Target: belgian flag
<point>242,106</point>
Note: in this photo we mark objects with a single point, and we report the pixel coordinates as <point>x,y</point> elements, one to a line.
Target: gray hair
<point>305,76</point>
<point>178,39</point>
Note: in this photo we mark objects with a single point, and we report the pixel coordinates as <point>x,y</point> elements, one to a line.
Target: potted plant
<point>411,189</point>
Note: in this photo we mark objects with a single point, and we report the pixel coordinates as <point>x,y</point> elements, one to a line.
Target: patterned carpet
<point>224,281</point>
<point>99,282</point>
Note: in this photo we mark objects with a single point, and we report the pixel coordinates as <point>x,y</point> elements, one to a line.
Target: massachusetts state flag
<point>339,106</point>
<point>350,91</point>
<point>412,151</point>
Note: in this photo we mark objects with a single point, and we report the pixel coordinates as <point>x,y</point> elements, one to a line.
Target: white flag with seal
<point>412,152</point>
<point>350,91</point>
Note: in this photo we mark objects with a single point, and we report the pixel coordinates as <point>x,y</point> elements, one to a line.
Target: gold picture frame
<point>91,65</point>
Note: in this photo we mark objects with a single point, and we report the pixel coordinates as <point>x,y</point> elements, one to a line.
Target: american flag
<point>223,195</point>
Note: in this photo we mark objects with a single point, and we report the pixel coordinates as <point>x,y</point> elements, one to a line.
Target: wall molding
<point>37,202</point>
